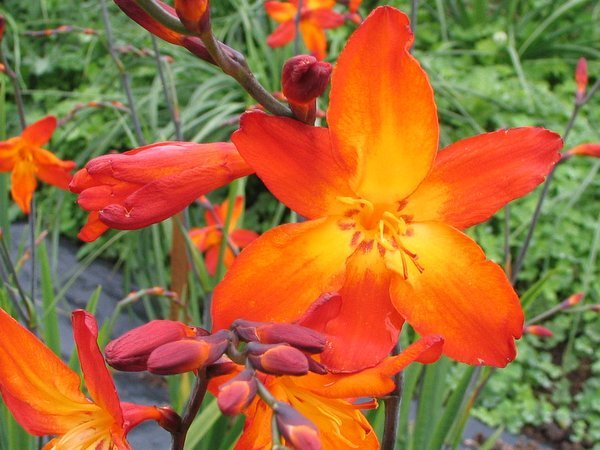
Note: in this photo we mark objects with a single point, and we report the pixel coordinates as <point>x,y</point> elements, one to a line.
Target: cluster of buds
<point>247,353</point>
<point>303,80</point>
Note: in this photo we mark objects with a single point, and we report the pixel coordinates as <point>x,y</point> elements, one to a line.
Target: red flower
<point>27,160</point>
<point>316,16</point>
<point>385,212</point>
<point>146,185</point>
<point>208,239</point>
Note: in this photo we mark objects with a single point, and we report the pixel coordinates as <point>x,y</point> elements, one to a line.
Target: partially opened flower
<point>328,400</point>
<point>385,212</point>
<point>208,239</point>
<point>43,393</point>
<point>27,160</point>
<point>146,185</point>
<point>590,149</point>
<point>315,17</point>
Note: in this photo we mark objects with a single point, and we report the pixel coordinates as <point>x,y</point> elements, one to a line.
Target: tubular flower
<point>385,212</point>
<point>326,400</point>
<point>44,396</point>
<point>27,160</point>
<point>148,184</point>
<point>208,239</point>
<point>315,16</point>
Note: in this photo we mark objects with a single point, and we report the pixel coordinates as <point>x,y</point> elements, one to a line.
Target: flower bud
<point>572,300</point>
<point>2,26</point>
<point>223,366</point>
<point>581,78</point>
<point>277,359</point>
<point>194,14</point>
<point>235,395</point>
<point>130,351</point>
<point>188,354</point>
<point>296,429</point>
<point>538,330</point>
<point>303,79</point>
<point>592,150</point>
<point>169,419</point>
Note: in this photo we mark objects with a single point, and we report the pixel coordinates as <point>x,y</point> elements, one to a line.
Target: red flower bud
<point>169,419</point>
<point>188,354</point>
<point>572,300</point>
<point>538,330</point>
<point>303,79</point>
<point>130,351</point>
<point>2,26</point>
<point>277,359</point>
<point>235,395</point>
<point>194,14</point>
<point>592,150</point>
<point>223,366</point>
<point>581,78</point>
<point>296,429</point>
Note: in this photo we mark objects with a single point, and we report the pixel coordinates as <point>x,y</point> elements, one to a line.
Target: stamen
<point>358,201</point>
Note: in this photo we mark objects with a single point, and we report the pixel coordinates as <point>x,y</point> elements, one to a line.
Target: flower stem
<point>392,411</point>
<point>297,27</point>
<point>14,79</point>
<point>191,410</point>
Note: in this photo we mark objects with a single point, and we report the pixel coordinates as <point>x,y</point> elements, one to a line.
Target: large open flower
<point>43,393</point>
<point>27,160</point>
<point>328,400</point>
<point>385,213</point>
<point>315,17</point>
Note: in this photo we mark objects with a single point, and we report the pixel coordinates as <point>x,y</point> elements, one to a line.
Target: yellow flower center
<point>382,227</point>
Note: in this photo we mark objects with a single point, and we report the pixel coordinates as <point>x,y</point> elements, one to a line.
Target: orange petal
<point>326,18</point>
<point>55,175</point>
<point>39,133</point>
<point>93,228</point>
<point>309,257</point>
<point>98,381</point>
<point>242,238</point>
<point>42,404</point>
<point>295,161</point>
<point>475,177</point>
<point>319,4</point>
<point>357,340</point>
<point>382,114</point>
<point>314,39</point>
<point>257,428</point>
<point>9,153</point>
<point>282,35</point>
<point>23,184</point>
<point>459,295</point>
<point>280,12</point>
<point>375,381</point>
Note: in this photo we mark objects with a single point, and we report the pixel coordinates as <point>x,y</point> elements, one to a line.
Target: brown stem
<point>16,88</point>
<point>191,410</point>
<point>392,411</point>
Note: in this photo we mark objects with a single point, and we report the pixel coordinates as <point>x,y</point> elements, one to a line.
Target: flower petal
<point>55,175</point>
<point>475,177</point>
<point>42,404</point>
<point>314,39</point>
<point>295,161</point>
<point>309,257</point>
<point>282,35</point>
<point>39,133</point>
<point>242,238</point>
<point>93,228</point>
<point>382,114</point>
<point>23,184</point>
<point>358,340</point>
<point>326,18</point>
<point>459,295</point>
<point>98,381</point>
<point>281,12</point>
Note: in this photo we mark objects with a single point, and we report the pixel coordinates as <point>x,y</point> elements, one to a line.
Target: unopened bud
<point>188,354</point>
<point>316,367</point>
<point>194,14</point>
<point>235,395</point>
<point>595,307</point>
<point>572,300</point>
<point>2,26</point>
<point>303,79</point>
<point>297,336</point>
<point>169,419</point>
<point>538,330</point>
<point>223,366</point>
<point>130,351</point>
<point>592,150</point>
<point>581,78</point>
<point>296,429</point>
<point>277,359</point>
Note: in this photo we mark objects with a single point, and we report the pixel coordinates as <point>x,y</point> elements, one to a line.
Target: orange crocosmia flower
<point>327,400</point>
<point>43,393</point>
<point>208,239</point>
<point>385,212</point>
<point>316,16</point>
<point>27,160</point>
<point>152,183</point>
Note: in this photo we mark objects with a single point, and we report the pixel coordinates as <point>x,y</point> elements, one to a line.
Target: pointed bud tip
<point>194,14</point>
<point>538,330</point>
<point>277,359</point>
<point>237,394</point>
<point>295,428</point>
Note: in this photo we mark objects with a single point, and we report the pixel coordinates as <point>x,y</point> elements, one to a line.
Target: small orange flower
<point>208,239</point>
<point>315,16</point>
<point>326,400</point>
<point>43,393</point>
<point>27,160</point>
